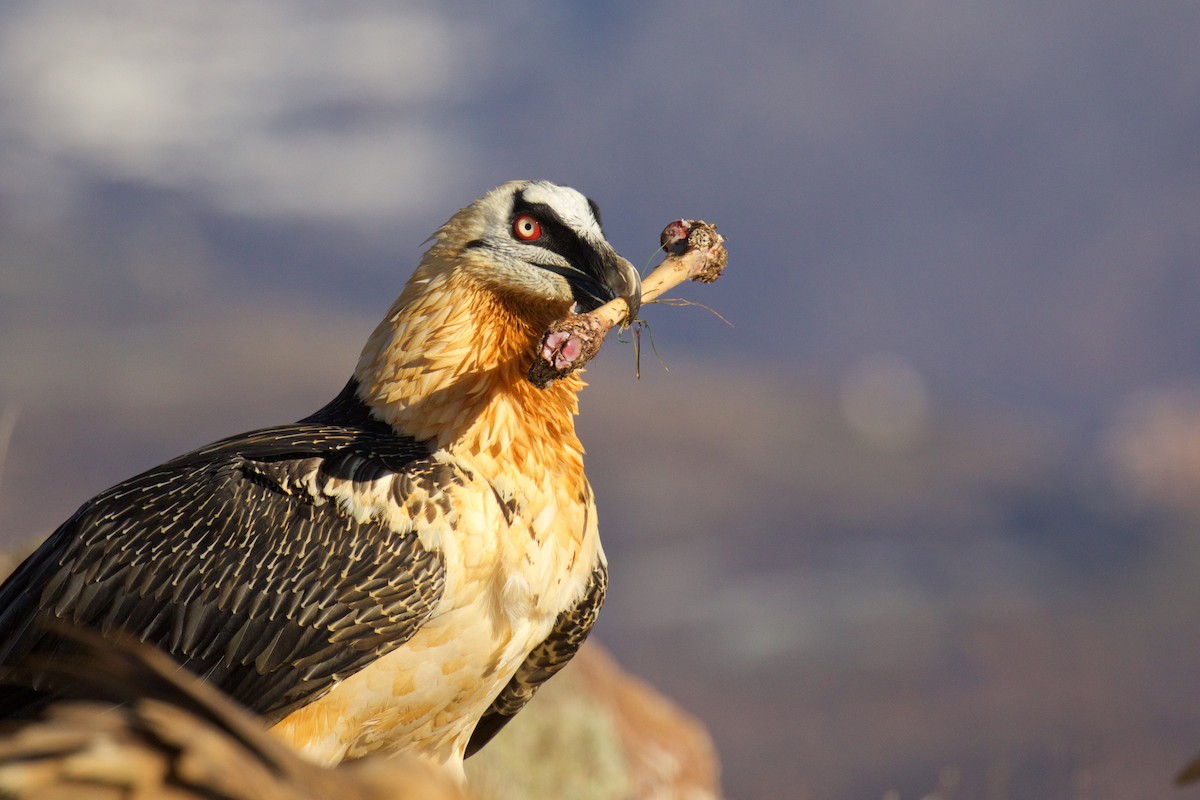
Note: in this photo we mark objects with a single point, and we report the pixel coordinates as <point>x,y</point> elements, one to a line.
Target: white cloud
<point>262,107</point>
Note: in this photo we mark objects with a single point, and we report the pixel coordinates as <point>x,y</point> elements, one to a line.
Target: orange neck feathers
<point>449,364</point>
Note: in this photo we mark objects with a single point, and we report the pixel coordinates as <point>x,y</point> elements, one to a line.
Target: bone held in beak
<point>695,251</point>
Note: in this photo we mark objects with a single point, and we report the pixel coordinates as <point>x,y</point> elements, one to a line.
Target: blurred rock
<point>596,732</point>
<point>172,736</point>
<point>1153,450</point>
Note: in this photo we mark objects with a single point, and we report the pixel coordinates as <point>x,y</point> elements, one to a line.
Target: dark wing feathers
<point>570,630</point>
<point>231,560</point>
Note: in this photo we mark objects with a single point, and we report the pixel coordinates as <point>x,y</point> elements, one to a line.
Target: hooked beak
<point>605,276</point>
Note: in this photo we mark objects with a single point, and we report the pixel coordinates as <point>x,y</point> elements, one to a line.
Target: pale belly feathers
<point>516,555</point>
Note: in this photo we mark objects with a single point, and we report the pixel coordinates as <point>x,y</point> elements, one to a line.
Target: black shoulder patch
<point>595,212</point>
<point>347,411</point>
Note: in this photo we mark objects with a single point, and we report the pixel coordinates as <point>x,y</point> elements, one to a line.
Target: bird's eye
<point>526,228</point>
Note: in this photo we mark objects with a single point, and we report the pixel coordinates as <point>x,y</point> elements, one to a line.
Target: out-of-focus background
<point>923,517</point>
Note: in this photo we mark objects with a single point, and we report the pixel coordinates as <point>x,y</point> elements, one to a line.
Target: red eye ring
<point>526,228</point>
